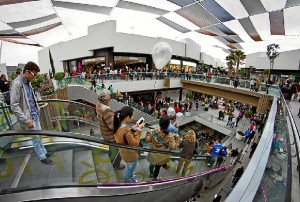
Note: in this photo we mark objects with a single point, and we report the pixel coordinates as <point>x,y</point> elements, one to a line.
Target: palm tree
<point>272,54</point>
<point>239,58</point>
<point>230,63</point>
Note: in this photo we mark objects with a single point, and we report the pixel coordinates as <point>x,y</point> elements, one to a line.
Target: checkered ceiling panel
<point>234,23</point>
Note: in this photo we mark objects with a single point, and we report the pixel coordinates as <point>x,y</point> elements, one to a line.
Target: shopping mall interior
<point>211,89</point>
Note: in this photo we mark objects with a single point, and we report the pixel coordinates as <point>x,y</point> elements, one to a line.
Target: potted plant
<point>248,114</point>
<point>59,76</point>
<point>37,82</point>
<point>47,91</point>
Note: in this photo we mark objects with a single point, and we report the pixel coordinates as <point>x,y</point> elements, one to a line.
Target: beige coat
<point>170,139</point>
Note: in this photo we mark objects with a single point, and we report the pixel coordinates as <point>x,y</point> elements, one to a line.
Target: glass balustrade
<point>243,83</point>
<point>82,160</point>
<point>277,179</point>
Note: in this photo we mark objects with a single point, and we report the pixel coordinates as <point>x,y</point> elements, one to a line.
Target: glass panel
<point>67,116</point>
<point>123,74</point>
<point>273,184</point>
<point>82,162</point>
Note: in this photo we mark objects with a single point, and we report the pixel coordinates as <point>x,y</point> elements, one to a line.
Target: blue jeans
<point>36,141</point>
<point>130,167</point>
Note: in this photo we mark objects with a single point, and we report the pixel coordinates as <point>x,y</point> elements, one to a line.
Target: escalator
<point>83,171</point>
<point>78,92</point>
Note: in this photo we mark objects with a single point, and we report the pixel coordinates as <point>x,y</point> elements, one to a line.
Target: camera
<point>141,120</point>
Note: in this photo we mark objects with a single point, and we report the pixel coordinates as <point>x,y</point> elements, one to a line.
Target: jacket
<point>216,149</point>
<point>168,139</point>
<point>106,121</point>
<point>19,101</point>
<point>128,155</point>
<point>187,148</point>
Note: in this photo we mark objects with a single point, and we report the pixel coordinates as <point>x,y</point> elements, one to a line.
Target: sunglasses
<point>32,73</point>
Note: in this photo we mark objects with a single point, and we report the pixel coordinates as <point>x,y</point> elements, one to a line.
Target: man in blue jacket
<point>216,150</point>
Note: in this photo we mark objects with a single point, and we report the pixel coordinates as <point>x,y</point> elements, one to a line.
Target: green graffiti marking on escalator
<point>102,176</point>
<point>9,168</point>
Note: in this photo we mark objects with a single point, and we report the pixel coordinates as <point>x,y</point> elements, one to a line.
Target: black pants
<point>114,156</point>
<point>156,170</point>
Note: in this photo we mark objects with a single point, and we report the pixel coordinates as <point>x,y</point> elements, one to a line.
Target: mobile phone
<point>141,120</point>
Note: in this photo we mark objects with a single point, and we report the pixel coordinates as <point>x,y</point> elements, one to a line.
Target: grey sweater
<point>19,101</point>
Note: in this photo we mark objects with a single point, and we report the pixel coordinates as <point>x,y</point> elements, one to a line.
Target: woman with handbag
<point>128,136</point>
<point>161,140</point>
<point>188,146</point>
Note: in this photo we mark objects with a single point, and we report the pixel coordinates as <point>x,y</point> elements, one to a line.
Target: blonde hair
<point>190,136</point>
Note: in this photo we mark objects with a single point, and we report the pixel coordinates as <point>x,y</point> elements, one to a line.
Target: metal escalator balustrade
<point>84,161</point>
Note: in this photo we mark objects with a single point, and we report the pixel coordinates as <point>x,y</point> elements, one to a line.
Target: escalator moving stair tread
<point>104,167</point>
<point>83,167</point>
<point>62,171</point>
<point>9,173</point>
<point>35,174</point>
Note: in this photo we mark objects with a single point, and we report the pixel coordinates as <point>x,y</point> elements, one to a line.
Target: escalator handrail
<point>68,101</point>
<point>89,139</point>
<point>56,100</point>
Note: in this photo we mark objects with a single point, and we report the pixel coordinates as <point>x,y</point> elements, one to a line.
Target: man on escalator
<point>106,120</point>
<point>24,105</point>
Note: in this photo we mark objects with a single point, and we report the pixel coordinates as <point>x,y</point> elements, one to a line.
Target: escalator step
<point>63,169</point>
<point>83,167</point>
<point>35,174</point>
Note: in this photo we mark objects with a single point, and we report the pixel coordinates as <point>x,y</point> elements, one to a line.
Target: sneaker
<point>208,164</point>
<point>47,161</point>
<point>132,180</point>
<point>50,154</point>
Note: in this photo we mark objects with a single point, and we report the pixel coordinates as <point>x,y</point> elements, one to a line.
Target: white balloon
<point>161,54</point>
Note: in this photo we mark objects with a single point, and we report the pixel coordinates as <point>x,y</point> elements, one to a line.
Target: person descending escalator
<point>238,174</point>
<point>188,145</point>
<point>127,136</point>
<point>163,140</point>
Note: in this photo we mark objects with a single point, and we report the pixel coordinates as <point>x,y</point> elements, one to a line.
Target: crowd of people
<point>115,127</point>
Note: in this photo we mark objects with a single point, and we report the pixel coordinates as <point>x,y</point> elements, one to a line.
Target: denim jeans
<point>36,141</point>
<point>130,167</point>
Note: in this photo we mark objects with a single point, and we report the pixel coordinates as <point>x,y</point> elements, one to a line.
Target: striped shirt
<point>106,119</point>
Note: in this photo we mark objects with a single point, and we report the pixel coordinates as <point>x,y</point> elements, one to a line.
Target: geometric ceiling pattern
<point>223,24</point>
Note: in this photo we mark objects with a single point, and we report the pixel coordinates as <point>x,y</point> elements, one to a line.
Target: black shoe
<point>121,167</point>
<point>47,161</point>
<point>50,154</point>
<point>2,160</point>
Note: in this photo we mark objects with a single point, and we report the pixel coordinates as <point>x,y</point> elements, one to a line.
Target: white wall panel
<point>104,35</point>
<point>286,60</point>
<point>141,44</point>
<point>192,49</point>
<point>208,59</point>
